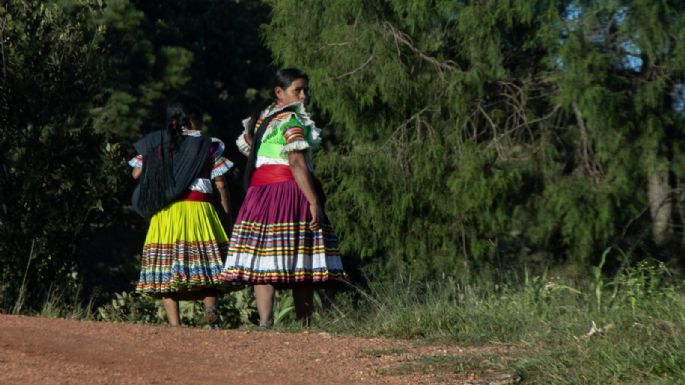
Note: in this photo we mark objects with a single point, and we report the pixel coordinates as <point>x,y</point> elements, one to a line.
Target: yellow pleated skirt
<point>184,250</point>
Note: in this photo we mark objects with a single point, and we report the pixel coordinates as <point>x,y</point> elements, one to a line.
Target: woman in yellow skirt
<point>186,243</point>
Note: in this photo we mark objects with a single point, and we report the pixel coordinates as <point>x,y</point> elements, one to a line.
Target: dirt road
<point>55,351</point>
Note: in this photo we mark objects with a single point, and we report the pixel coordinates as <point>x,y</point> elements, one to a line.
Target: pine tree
<point>465,133</point>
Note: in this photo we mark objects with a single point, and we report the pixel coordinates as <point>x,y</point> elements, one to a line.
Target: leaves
<point>476,133</point>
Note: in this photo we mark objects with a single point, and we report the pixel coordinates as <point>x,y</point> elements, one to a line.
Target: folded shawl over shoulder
<point>166,174</point>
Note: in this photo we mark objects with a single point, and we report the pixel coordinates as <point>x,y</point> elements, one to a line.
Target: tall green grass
<point>624,330</point>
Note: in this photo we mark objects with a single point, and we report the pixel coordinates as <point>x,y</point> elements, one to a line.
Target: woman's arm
<point>243,143</point>
<point>136,172</point>
<point>223,193</point>
<point>304,181</point>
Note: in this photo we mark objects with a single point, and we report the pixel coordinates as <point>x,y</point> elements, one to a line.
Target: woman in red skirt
<point>282,237</point>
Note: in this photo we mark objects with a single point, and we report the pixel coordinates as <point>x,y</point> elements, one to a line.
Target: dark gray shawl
<point>167,174</point>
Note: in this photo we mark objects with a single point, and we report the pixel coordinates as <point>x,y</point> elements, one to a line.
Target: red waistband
<point>271,173</point>
<point>195,196</point>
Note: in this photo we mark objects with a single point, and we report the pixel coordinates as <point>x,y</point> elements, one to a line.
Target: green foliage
<point>637,338</point>
<point>48,153</point>
<point>284,309</point>
<point>470,133</point>
<point>125,307</point>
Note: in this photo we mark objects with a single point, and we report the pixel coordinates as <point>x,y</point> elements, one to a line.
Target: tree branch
<point>350,73</point>
<point>495,139</point>
<point>404,39</point>
<point>590,164</point>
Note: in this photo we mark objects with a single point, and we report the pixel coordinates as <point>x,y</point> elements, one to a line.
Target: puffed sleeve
<point>220,165</point>
<point>243,145</point>
<point>295,134</point>
<point>136,161</point>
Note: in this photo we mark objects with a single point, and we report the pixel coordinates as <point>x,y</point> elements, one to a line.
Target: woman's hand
<point>136,172</point>
<point>317,216</point>
<point>220,185</point>
<point>304,181</point>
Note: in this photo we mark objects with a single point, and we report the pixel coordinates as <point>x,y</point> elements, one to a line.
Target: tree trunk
<point>660,203</point>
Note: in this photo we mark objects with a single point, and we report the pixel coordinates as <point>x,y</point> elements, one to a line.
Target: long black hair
<point>181,113</point>
<point>283,79</point>
<point>158,166</point>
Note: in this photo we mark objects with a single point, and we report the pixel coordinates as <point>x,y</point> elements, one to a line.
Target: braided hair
<point>180,115</point>
<point>158,167</point>
<point>283,79</point>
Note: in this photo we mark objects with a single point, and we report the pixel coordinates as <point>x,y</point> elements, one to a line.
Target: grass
<point>381,352</point>
<point>19,303</point>
<point>480,363</point>
<point>547,330</point>
<point>625,330</point>
<point>66,304</point>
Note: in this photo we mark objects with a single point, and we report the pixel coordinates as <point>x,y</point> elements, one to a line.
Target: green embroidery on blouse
<point>273,142</point>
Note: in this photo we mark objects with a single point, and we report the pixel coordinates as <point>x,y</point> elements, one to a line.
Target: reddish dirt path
<point>54,351</point>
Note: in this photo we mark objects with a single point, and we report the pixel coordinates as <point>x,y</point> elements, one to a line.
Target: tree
<point>467,133</point>
<point>55,170</point>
